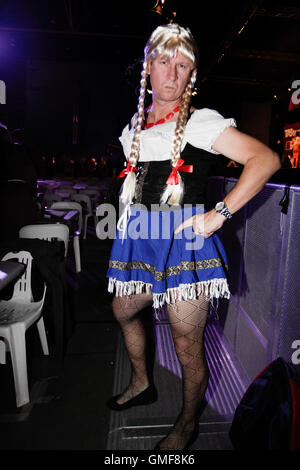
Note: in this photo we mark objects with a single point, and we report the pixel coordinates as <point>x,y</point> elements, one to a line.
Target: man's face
<point>169,76</point>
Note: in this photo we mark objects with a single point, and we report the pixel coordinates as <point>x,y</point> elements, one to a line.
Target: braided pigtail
<point>173,193</point>
<point>128,189</point>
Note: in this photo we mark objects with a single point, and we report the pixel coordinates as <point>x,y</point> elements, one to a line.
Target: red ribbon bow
<point>173,178</point>
<point>127,170</point>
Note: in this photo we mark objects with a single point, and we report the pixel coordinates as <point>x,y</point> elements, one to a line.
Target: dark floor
<point>67,410</point>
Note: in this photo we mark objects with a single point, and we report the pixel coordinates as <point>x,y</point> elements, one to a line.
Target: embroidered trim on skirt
<point>149,258</point>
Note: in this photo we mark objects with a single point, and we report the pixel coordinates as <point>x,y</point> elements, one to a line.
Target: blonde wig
<point>167,40</point>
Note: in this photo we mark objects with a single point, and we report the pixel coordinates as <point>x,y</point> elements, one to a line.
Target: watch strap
<point>226,213</point>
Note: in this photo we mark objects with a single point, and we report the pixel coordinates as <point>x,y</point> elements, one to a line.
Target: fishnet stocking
<point>125,310</point>
<point>187,321</point>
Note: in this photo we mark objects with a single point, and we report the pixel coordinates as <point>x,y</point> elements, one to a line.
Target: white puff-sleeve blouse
<point>202,129</point>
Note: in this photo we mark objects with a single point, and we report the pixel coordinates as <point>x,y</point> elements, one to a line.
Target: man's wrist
<point>222,209</point>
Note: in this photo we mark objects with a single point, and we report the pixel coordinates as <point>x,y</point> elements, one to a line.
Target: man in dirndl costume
<point>166,252</point>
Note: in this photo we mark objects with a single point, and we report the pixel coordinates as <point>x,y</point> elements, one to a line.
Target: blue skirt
<point>148,257</point>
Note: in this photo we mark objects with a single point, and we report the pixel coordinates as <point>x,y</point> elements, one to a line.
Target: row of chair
<point>20,312</point>
<point>84,200</point>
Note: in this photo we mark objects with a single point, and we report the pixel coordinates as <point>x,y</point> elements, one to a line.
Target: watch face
<point>219,206</point>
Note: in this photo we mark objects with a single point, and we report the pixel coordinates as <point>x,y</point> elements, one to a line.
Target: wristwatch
<point>222,209</point>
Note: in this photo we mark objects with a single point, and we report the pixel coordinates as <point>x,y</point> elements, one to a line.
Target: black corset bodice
<point>152,177</point>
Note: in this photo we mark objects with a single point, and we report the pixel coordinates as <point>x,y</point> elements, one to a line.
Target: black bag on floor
<point>268,415</point>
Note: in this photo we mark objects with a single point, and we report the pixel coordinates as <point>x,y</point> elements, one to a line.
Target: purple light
<point>69,215</point>
<point>3,275</point>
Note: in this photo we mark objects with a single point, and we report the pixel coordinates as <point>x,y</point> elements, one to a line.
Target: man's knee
<point>126,307</point>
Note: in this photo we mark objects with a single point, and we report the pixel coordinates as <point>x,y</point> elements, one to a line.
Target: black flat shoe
<point>191,440</point>
<point>146,397</point>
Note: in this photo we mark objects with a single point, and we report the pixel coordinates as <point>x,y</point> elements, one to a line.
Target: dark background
<point>72,68</point>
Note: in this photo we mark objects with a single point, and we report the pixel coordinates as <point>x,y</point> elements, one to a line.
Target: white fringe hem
<point>214,288</point>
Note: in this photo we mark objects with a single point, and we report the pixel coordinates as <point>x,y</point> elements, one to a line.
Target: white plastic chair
<point>76,237</point>
<point>91,192</point>
<point>47,232</point>
<point>103,190</point>
<point>65,189</point>
<point>95,196</point>
<point>86,203</point>
<point>65,193</point>
<point>49,198</point>
<point>16,316</point>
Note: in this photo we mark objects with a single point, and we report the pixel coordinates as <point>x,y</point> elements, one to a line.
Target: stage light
<point>158,7</point>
